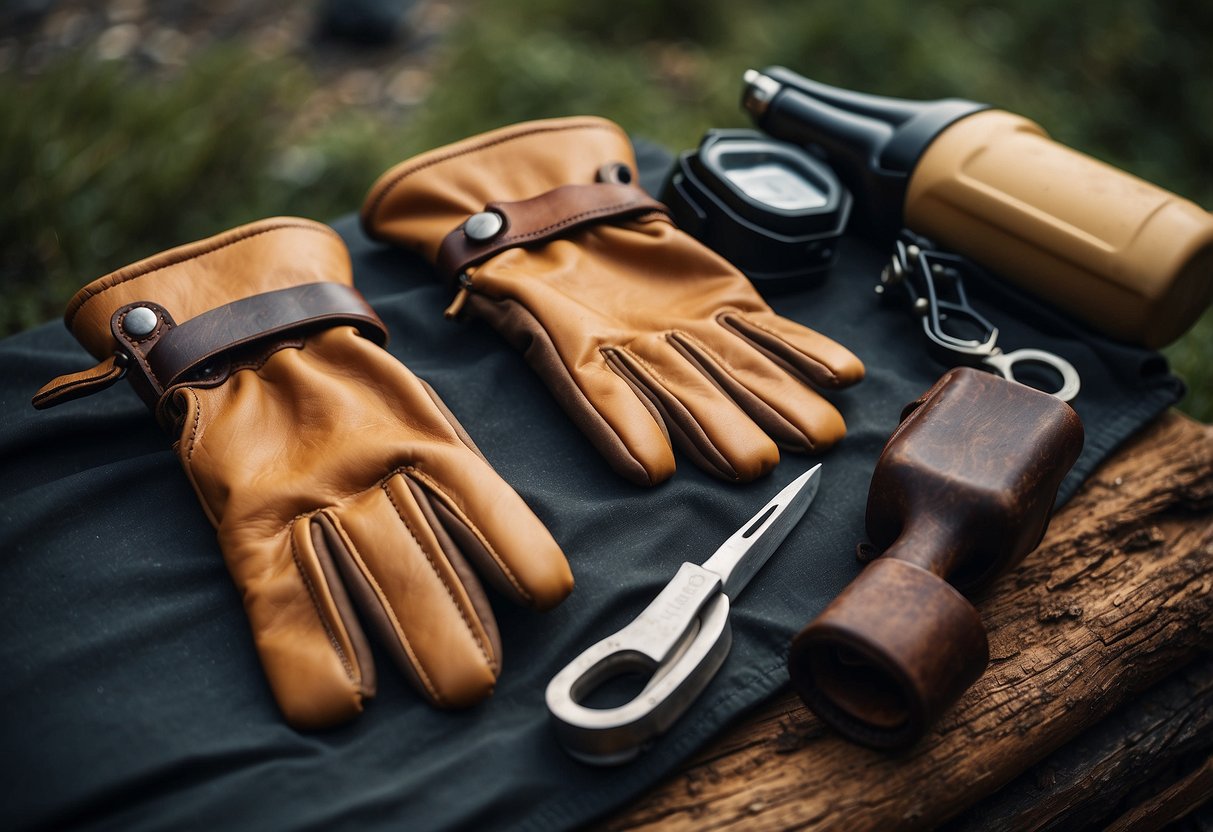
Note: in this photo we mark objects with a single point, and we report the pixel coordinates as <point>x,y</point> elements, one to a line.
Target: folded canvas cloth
<point>131,692</point>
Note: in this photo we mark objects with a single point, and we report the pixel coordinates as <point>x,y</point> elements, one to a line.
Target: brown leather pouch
<point>962,491</point>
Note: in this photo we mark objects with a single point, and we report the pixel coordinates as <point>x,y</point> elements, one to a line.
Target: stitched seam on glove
<point>121,277</point>
<point>610,359</point>
<point>646,397</point>
<point>727,369</point>
<point>688,427</point>
<point>485,305</point>
<point>429,559</point>
<point>390,186</point>
<point>652,371</point>
<point>463,435</point>
<point>488,547</point>
<point>679,339</point>
<point>311,590</point>
<point>828,376</point>
<point>187,464</point>
<point>189,455</point>
<point>391,613</point>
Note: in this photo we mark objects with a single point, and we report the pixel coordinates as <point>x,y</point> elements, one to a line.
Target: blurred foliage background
<point>131,127</point>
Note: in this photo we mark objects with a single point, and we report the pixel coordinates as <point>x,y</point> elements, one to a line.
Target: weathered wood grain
<point>1172,804</point>
<point>1118,596</point>
<point>1123,762</point>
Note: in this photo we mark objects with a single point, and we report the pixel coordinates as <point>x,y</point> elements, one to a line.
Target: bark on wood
<point>1125,761</point>
<point>1172,804</point>
<point>1117,597</point>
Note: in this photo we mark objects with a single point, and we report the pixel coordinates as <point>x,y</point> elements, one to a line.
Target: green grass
<point>103,166</point>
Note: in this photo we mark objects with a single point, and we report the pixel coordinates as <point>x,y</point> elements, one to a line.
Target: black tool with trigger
<point>933,282</point>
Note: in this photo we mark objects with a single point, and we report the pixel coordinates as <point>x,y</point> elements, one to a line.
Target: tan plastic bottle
<point>1126,257</point>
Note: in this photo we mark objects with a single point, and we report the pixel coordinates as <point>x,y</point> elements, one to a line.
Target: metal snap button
<point>483,226</point>
<point>140,321</point>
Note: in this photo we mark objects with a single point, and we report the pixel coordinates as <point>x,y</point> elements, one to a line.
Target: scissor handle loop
<point>609,736</point>
<point>1003,363</point>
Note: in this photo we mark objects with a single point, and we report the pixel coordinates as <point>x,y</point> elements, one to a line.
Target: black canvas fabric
<point>131,694</point>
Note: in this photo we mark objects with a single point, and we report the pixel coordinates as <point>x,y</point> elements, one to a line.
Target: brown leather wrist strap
<point>164,352</point>
<point>192,344</point>
<point>540,219</point>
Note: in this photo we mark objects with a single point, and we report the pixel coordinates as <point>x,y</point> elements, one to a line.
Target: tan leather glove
<point>335,477</point>
<point>641,332</point>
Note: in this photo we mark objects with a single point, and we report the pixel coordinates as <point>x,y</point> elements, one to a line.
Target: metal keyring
<point>1004,364</point>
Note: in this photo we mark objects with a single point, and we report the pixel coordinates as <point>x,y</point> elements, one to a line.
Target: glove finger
<point>621,424</point>
<point>492,527</point>
<point>705,423</point>
<point>789,411</point>
<point>807,354</point>
<point>314,653</point>
<point>411,583</point>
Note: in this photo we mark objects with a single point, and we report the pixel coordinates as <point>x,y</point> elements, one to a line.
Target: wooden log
<point>1126,761</point>
<point>1117,597</point>
<point>1171,805</point>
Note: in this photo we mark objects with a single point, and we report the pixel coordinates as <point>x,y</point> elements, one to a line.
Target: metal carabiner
<point>955,331</point>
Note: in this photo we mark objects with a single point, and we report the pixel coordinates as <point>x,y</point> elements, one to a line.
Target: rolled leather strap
<point>191,344</point>
<point>541,218</point>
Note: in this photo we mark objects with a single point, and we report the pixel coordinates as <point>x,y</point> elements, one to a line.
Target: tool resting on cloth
<point>642,333</point>
<point>132,692</point>
<point>679,641</point>
<point>329,470</point>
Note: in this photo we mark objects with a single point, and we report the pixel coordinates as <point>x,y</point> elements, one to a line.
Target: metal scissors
<point>933,281</point>
<point>681,638</point>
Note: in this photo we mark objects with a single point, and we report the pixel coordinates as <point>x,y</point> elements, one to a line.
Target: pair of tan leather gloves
<point>338,480</point>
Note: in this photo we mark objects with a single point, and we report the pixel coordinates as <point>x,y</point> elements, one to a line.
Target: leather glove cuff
<point>195,313</point>
<point>419,202</point>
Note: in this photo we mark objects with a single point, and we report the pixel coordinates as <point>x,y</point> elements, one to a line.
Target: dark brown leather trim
<point>686,433</point>
<point>540,218</point>
<point>799,366</point>
<point>521,329</point>
<point>458,543</point>
<point>772,422</point>
<point>326,543</point>
<point>191,344</point>
<point>136,349</point>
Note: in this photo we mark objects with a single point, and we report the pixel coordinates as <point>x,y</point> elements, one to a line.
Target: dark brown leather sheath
<point>962,491</point>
